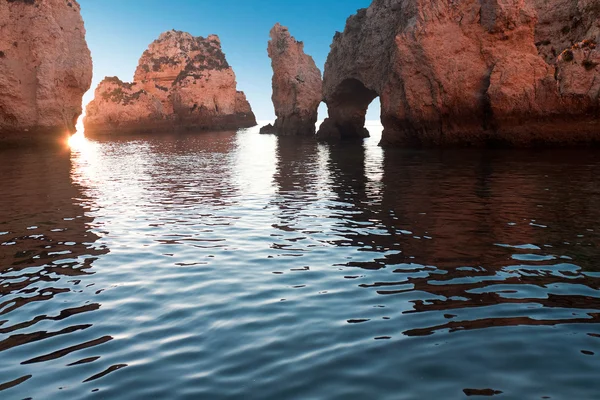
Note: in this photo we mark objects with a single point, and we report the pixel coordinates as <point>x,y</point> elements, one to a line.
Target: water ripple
<point>239,265</point>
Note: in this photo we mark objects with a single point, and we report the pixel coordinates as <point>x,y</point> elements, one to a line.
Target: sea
<point>234,265</point>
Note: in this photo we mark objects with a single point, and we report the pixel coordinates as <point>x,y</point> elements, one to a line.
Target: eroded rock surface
<point>562,23</point>
<point>181,82</point>
<point>45,68</point>
<point>297,85</point>
<point>125,108</point>
<point>474,72</point>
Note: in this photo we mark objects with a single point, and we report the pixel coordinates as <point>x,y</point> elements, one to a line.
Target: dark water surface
<point>235,265</point>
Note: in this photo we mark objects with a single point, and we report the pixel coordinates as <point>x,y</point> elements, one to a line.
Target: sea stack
<point>297,86</point>
<point>182,82</point>
<point>468,72</point>
<point>45,68</point>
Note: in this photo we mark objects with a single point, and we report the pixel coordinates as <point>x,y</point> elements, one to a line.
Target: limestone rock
<point>578,71</point>
<point>297,85</point>
<point>243,110</point>
<point>467,72</point>
<point>120,107</point>
<point>268,129</point>
<point>561,23</point>
<point>188,77</point>
<point>45,68</point>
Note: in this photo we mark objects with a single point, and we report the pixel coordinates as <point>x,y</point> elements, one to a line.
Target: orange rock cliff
<point>460,72</point>
<point>45,68</point>
<point>181,82</point>
<point>468,72</point>
<point>297,86</point>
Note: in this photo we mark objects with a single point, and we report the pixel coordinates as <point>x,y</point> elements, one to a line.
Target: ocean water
<point>233,265</point>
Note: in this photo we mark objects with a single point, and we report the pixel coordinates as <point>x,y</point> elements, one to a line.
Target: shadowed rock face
<point>297,85</point>
<point>181,82</point>
<point>45,68</point>
<point>562,23</point>
<point>468,72</point>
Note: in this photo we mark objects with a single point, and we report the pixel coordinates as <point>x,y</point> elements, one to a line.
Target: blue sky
<point>119,31</point>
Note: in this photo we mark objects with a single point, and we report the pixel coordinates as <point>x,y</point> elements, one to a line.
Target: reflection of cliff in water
<point>298,179</point>
<point>47,248</point>
<point>469,203</point>
<point>462,230</point>
<point>361,222</point>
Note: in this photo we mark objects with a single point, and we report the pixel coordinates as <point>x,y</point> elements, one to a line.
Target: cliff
<point>297,85</point>
<point>45,68</point>
<point>181,82</point>
<point>468,72</point>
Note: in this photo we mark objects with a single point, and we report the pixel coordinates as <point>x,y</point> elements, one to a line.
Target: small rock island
<point>182,82</point>
<point>297,86</point>
<point>45,68</point>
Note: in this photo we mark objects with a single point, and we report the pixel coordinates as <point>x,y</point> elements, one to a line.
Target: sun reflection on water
<point>77,140</point>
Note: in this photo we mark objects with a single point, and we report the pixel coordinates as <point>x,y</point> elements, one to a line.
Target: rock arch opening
<point>347,108</point>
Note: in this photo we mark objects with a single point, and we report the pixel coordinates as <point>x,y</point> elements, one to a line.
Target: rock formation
<point>297,85</point>
<point>268,129</point>
<point>473,72</point>
<point>181,82</point>
<point>45,68</point>
<point>125,108</point>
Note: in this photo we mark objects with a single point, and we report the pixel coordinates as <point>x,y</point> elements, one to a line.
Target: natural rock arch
<point>347,105</point>
<point>468,72</point>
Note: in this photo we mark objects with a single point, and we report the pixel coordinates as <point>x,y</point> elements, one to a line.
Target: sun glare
<point>76,141</point>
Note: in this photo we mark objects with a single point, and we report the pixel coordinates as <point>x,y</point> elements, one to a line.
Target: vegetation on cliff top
<point>121,94</point>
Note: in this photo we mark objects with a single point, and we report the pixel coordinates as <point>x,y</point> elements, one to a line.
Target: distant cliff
<point>468,72</point>
<point>45,68</point>
<point>181,82</point>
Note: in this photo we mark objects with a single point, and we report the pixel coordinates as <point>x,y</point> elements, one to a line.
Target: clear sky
<point>118,32</point>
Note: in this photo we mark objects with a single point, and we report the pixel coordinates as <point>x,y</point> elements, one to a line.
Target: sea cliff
<point>45,68</point>
<point>468,72</point>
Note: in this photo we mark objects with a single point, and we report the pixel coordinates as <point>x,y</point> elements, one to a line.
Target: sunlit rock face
<point>468,72</point>
<point>45,68</point>
<point>125,108</point>
<point>181,82</point>
<point>297,85</point>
